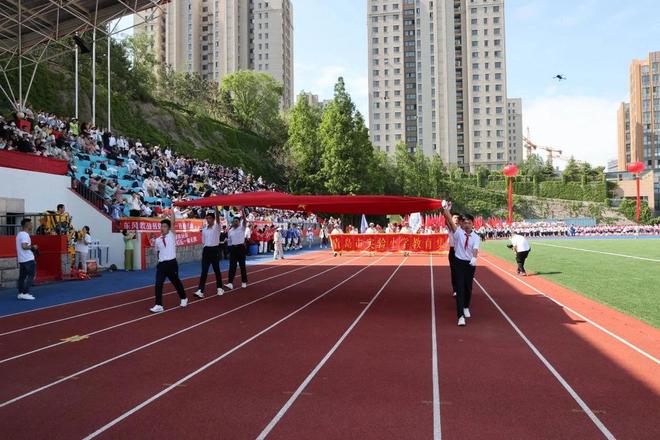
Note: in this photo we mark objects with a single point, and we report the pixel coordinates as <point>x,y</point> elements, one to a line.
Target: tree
<point>572,171</point>
<point>304,148</point>
<point>347,152</point>
<point>413,172</point>
<point>255,98</point>
<point>535,166</point>
<point>143,62</point>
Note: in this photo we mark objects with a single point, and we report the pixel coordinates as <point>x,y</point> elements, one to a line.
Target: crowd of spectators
<point>562,229</point>
<point>127,176</point>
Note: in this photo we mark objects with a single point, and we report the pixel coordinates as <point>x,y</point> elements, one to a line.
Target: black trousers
<point>520,259</point>
<point>237,257</point>
<point>26,273</point>
<point>464,281</point>
<point>452,268</point>
<point>168,269</point>
<point>210,257</point>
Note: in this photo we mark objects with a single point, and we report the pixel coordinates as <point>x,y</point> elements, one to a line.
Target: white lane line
<point>325,359</point>
<point>597,252</point>
<point>91,312</point>
<point>148,316</point>
<point>603,429</point>
<point>25,312</point>
<point>221,357</point>
<point>437,428</point>
<point>149,344</point>
<point>578,314</point>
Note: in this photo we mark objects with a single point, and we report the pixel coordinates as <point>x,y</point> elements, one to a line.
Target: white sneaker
<point>229,286</point>
<point>466,313</point>
<point>461,321</point>
<point>454,294</point>
<point>25,296</point>
<point>220,291</point>
<point>243,285</point>
<point>184,302</point>
<point>157,309</point>
<point>199,294</point>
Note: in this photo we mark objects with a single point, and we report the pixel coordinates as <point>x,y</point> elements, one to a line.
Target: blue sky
<point>590,41</point>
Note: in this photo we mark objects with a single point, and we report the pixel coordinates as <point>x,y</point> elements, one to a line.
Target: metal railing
<point>92,197</point>
<point>10,223</point>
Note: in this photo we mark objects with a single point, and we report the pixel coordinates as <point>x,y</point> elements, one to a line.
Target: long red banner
<point>433,243</point>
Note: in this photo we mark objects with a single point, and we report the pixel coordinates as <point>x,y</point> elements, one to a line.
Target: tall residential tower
<point>639,121</point>
<point>437,79</point>
<point>217,37</point>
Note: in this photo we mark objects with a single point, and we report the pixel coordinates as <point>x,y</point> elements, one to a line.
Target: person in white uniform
<point>521,248</point>
<point>466,248</point>
<point>83,240</point>
<point>167,265</point>
<point>210,253</point>
<point>278,243</point>
<point>236,238</point>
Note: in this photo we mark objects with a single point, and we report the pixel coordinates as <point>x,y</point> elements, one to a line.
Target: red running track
<point>337,348</point>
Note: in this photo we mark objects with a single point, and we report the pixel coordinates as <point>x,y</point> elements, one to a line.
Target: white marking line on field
<point>597,252</point>
<point>25,312</point>
<point>151,315</point>
<point>91,312</point>
<point>221,357</point>
<point>578,314</point>
<point>178,332</point>
<point>603,429</point>
<point>325,359</point>
<point>437,428</point>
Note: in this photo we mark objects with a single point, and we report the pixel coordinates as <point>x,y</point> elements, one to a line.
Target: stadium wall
<point>43,191</point>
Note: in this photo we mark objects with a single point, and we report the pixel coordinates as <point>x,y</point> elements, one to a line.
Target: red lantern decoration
<point>636,168</point>
<point>510,171</point>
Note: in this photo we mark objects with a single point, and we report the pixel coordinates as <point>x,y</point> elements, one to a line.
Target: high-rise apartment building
<point>515,129</point>
<point>217,37</point>
<point>639,121</point>
<point>437,79</point>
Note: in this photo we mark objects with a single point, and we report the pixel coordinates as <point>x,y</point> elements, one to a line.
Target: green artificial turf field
<point>626,284</point>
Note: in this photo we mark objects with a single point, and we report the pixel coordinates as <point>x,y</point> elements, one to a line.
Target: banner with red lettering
<point>152,224</point>
<point>426,243</point>
<point>182,239</point>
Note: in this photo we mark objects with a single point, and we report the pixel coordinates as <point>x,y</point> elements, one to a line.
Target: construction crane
<point>552,153</point>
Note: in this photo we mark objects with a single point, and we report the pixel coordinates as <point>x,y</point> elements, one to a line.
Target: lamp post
<point>510,171</point>
<point>636,168</point>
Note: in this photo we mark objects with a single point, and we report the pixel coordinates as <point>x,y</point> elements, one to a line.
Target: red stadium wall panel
<point>389,243</point>
<point>51,261</point>
<point>30,162</point>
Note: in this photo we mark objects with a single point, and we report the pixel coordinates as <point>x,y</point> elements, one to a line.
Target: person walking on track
<point>236,237</point>
<point>521,248</point>
<point>210,253</point>
<point>466,248</point>
<point>167,265</point>
<point>452,253</point>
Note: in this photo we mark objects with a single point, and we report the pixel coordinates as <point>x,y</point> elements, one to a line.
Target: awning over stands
<point>373,205</point>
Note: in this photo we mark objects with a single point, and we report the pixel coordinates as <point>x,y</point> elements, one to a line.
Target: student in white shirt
<point>457,219</point>
<point>278,242</point>
<point>25,256</point>
<point>236,239</point>
<point>83,240</point>
<point>521,248</point>
<point>211,253</point>
<point>167,265</point>
<point>466,249</point>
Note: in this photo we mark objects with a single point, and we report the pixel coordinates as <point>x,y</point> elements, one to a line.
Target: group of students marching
<point>168,268</point>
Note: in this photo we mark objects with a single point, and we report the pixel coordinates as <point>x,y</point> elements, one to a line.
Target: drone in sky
<point>559,78</point>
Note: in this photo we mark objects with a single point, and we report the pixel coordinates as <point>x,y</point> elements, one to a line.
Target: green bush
<point>628,209</point>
